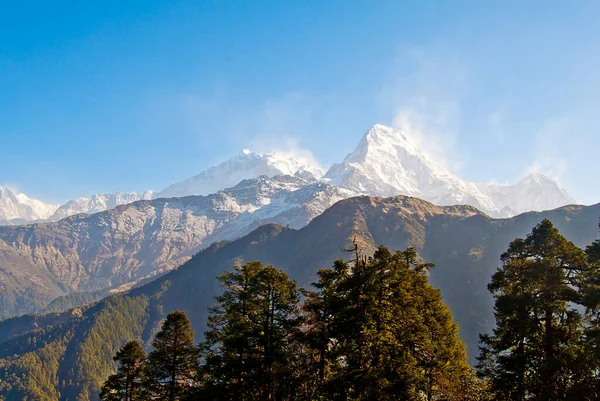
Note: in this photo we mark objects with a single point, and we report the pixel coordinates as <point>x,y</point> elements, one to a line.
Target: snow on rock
<point>387,163</point>
<point>277,187</point>
<point>534,192</point>
<point>97,203</point>
<point>246,165</point>
<point>18,208</point>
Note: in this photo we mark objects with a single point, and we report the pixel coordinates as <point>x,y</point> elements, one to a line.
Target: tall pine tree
<point>590,296</point>
<point>248,351</point>
<point>385,334</point>
<point>126,384</point>
<point>172,364</point>
<point>535,351</point>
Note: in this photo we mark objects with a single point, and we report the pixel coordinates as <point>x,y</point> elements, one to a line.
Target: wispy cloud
<point>425,99</point>
<point>281,124</point>
<point>552,148</point>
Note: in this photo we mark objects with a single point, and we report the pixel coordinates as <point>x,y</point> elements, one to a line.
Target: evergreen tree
<point>126,384</point>
<point>172,364</point>
<point>590,295</point>
<point>249,349</point>
<point>535,351</point>
<point>385,333</point>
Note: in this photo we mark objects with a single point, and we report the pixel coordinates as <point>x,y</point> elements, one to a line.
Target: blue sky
<point>108,96</point>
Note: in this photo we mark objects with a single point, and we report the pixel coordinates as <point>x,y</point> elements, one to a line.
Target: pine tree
<point>172,364</point>
<point>385,333</point>
<point>535,350</point>
<point>590,296</point>
<point>253,329</point>
<point>126,384</point>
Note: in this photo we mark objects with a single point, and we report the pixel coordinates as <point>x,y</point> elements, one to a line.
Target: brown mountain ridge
<point>75,348</point>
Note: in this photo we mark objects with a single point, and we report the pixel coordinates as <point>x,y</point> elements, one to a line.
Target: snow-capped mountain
<point>97,203</point>
<point>135,237</point>
<point>387,163</point>
<point>246,165</point>
<point>139,240</point>
<point>17,208</point>
<point>534,192</point>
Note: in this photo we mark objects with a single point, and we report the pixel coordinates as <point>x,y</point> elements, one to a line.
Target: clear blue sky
<point>112,95</point>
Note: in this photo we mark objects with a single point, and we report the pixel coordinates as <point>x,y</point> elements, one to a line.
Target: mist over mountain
<point>113,241</point>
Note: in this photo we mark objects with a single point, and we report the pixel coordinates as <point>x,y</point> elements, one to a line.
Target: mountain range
<point>101,270</point>
<point>385,163</point>
<point>132,238</point>
<point>68,355</point>
<point>137,241</point>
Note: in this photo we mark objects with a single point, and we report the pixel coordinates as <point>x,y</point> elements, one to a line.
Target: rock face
<point>143,239</point>
<point>465,244</point>
<point>386,163</point>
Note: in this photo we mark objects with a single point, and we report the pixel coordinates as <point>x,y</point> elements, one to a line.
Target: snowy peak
<point>246,165</point>
<point>387,163</point>
<point>534,192</point>
<point>381,139</point>
<point>541,181</point>
<point>97,203</point>
<point>19,208</point>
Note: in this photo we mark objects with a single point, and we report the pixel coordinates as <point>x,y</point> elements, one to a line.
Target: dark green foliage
<point>373,330</point>
<point>249,349</point>
<point>126,384</point>
<point>74,300</point>
<point>383,333</point>
<point>34,375</point>
<point>70,360</point>
<point>172,364</point>
<point>590,294</point>
<point>535,351</point>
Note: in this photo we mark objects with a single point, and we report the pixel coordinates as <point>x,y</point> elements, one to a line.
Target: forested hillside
<point>72,353</point>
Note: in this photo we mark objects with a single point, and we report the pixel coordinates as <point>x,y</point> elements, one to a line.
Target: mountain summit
<point>97,203</point>
<point>18,208</point>
<point>387,163</point>
<point>246,165</point>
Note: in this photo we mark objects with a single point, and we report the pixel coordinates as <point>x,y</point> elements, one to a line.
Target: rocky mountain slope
<point>68,355</point>
<point>137,241</point>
